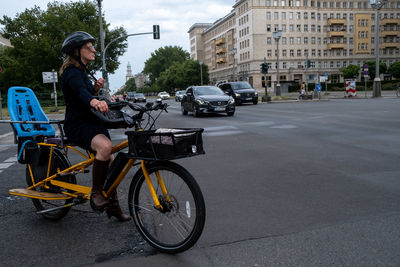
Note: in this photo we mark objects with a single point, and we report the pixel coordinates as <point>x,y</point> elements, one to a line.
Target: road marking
<point>6,134</point>
<point>12,159</point>
<point>6,165</point>
<point>283,126</point>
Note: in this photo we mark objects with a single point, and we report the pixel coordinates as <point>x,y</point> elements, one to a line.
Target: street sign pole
<point>1,108</point>
<point>365,78</point>
<point>55,90</point>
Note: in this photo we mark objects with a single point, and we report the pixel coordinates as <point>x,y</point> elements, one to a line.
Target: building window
<point>291,40</point>
<point>268,27</point>
<point>268,40</point>
<point>269,52</point>
<point>283,27</point>
<point>298,40</point>
<point>276,15</point>
<point>268,15</point>
<point>283,15</point>
<point>291,29</point>
<point>312,40</point>
<point>291,52</point>
<point>268,3</point>
<point>290,15</point>
<point>284,54</point>
<point>305,40</point>
<point>276,27</point>
<point>313,28</point>
<point>298,27</point>
<point>305,15</point>
<point>283,3</point>
<point>299,52</point>
<point>305,28</point>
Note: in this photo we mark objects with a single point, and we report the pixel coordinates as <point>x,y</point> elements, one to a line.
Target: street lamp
<point>233,52</point>
<point>201,71</point>
<point>277,35</point>
<point>377,81</point>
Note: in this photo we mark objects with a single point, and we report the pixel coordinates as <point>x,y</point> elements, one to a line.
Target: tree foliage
<point>130,85</point>
<point>162,59</point>
<point>350,71</point>
<point>394,70</point>
<point>37,37</point>
<point>371,68</point>
<point>181,75</point>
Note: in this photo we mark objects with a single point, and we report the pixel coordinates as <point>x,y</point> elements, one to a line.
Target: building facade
<point>329,34</point>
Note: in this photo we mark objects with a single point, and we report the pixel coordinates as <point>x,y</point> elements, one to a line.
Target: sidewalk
<point>294,96</point>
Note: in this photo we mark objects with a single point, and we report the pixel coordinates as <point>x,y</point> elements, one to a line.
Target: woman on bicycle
<point>81,126</point>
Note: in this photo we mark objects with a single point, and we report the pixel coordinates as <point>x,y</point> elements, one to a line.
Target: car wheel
<point>231,113</point>
<point>184,111</point>
<point>255,102</point>
<point>237,102</point>
<point>196,111</point>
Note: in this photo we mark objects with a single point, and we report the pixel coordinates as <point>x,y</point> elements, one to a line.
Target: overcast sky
<point>174,17</point>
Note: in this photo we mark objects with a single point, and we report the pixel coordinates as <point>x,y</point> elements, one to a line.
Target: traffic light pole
<point>156,35</point>
<point>307,74</point>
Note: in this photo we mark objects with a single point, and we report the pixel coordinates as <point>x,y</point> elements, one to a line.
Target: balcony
<point>336,34</point>
<point>221,51</point>
<point>390,21</point>
<point>220,41</point>
<point>221,60</point>
<point>336,22</point>
<point>336,46</point>
<point>389,33</point>
<point>389,45</point>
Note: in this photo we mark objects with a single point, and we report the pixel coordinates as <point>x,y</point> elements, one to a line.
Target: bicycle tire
<point>59,161</point>
<point>186,214</point>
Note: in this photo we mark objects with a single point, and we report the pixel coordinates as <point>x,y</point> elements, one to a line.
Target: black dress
<point>80,124</point>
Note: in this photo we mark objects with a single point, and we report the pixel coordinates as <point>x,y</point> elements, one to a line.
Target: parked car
<point>207,99</point>
<point>163,95</point>
<point>139,97</point>
<point>131,95</point>
<point>241,91</point>
<point>179,95</point>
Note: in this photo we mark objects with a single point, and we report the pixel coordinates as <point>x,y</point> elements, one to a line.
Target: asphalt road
<point>285,184</point>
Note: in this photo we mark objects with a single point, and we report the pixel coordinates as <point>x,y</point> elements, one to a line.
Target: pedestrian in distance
<point>302,90</point>
<point>81,126</point>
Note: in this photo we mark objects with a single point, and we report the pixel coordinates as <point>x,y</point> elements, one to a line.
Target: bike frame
<point>80,191</point>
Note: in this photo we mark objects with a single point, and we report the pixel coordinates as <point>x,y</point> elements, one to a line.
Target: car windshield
<point>241,85</point>
<point>208,90</point>
<point>180,92</point>
<point>139,95</point>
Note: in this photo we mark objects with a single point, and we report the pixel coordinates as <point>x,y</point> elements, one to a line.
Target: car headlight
<point>201,101</point>
<point>231,100</point>
<point>255,93</point>
<point>237,95</point>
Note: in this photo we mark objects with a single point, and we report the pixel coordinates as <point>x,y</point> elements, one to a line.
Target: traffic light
<point>156,31</point>
<point>308,63</point>
<point>264,68</point>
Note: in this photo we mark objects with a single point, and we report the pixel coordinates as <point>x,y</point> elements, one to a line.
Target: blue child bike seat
<point>24,106</point>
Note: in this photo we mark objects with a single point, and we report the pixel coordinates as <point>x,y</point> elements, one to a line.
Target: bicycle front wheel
<point>180,223</point>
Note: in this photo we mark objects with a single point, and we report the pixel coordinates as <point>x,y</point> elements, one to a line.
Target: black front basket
<point>165,144</point>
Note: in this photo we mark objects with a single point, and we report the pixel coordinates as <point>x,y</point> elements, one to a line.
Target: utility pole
<point>106,91</point>
<point>307,73</point>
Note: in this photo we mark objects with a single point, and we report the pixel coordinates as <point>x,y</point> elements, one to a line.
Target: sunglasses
<point>91,48</point>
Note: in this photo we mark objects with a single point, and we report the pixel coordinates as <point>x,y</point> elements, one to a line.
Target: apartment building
<point>330,34</point>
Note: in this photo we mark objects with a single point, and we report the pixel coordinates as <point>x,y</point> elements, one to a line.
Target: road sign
<point>326,75</point>
<point>318,87</point>
<point>323,79</point>
<point>365,71</point>
<point>49,77</point>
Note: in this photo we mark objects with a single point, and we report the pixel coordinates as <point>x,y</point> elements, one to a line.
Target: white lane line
<point>6,165</point>
<point>12,159</point>
<point>6,134</point>
<point>283,126</point>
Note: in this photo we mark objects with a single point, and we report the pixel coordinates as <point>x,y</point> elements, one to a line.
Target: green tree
<point>350,71</point>
<point>162,59</point>
<point>130,85</point>
<point>181,75</point>
<point>371,68</point>
<point>37,37</point>
<point>394,70</point>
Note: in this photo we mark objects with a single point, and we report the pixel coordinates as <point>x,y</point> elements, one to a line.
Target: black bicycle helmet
<point>76,40</point>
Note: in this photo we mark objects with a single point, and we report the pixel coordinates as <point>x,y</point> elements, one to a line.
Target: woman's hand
<point>99,105</point>
<point>98,84</point>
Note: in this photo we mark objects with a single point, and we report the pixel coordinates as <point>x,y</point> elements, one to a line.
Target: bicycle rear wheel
<point>179,225</point>
<point>59,161</point>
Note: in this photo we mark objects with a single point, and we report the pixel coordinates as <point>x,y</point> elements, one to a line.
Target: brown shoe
<point>115,209</point>
<point>97,200</point>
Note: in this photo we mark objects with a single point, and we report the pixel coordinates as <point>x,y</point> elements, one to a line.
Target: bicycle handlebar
<point>117,117</point>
